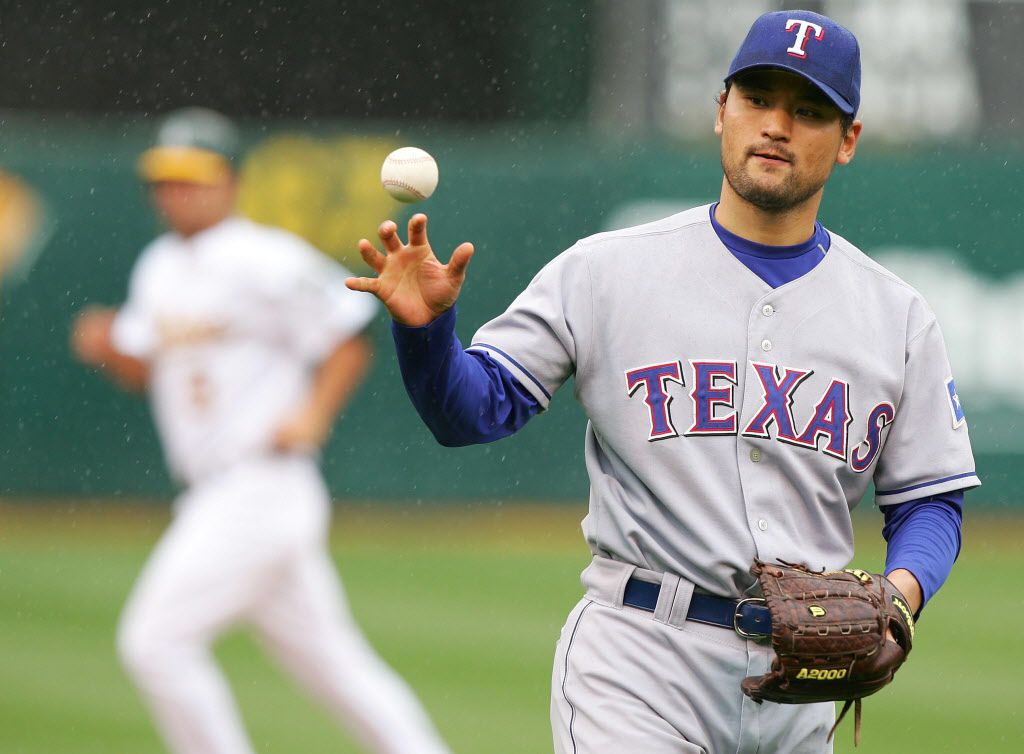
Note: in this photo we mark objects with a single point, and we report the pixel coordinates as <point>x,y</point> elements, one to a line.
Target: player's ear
<point>722,96</point>
<point>848,146</point>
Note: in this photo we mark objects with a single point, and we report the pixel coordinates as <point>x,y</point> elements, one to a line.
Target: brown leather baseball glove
<point>829,636</point>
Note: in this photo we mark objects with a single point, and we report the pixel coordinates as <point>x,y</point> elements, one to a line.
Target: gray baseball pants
<point>628,681</point>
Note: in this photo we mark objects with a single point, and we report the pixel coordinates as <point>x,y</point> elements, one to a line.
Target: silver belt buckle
<point>736,619</point>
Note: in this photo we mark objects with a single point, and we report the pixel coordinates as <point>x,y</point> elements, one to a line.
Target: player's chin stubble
<point>777,196</point>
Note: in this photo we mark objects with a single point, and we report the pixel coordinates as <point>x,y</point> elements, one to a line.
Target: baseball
<point>409,174</point>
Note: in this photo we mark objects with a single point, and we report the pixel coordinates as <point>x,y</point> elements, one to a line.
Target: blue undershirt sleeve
<point>463,397</point>
<point>924,537</point>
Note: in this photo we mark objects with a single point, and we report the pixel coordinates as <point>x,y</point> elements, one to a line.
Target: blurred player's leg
<point>224,549</point>
<point>306,623</point>
<point>188,592</point>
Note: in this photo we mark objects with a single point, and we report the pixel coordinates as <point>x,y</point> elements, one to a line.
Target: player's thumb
<point>460,260</point>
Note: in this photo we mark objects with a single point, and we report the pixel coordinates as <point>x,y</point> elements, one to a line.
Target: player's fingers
<point>418,230</point>
<point>371,256</point>
<point>388,233</point>
<point>460,258</point>
<point>367,285</point>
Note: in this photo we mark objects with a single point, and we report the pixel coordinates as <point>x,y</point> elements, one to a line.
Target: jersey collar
<point>820,238</point>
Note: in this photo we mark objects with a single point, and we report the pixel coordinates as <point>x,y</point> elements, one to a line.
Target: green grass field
<point>466,602</point>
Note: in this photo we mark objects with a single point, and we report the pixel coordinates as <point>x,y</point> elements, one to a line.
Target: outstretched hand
<point>411,282</point>
<point>90,335</point>
<point>92,343</point>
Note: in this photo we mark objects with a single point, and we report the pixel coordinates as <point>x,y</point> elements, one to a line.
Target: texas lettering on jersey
<point>714,412</point>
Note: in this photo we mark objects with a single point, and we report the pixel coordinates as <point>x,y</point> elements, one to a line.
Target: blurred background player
<point>249,344</point>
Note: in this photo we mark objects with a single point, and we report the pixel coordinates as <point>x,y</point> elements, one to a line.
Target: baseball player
<point>249,344</point>
<point>746,374</point>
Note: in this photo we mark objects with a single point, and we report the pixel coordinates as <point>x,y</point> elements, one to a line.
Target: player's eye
<point>755,100</point>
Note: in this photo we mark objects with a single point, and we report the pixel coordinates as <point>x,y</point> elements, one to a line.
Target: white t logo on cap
<point>799,48</point>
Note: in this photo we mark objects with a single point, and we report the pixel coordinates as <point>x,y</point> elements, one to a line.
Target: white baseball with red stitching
<point>409,174</point>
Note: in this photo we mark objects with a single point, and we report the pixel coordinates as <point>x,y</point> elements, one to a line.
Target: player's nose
<point>777,124</point>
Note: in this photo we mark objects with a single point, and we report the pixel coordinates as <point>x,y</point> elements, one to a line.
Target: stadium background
<point>549,121</point>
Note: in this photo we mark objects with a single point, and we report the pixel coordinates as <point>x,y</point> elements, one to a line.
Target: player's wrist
<point>412,323</point>
<point>432,320</point>
<point>907,584</point>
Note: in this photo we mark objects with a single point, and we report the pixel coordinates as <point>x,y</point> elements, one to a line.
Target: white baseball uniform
<point>232,322</point>
<point>728,420</point>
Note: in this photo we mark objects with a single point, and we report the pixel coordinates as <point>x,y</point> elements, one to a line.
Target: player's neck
<point>772,228</point>
<point>194,229</point>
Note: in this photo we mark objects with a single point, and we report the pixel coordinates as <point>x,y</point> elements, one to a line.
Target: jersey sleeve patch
<point>954,404</point>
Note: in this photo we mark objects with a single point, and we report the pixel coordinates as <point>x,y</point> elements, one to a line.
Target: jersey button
<point>766,345</point>
<point>767,310</point>
<point>755,455</point>
<point>762,524</point>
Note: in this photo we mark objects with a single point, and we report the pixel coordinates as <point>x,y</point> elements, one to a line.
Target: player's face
<point>780,138</point>
<point>188,208</point>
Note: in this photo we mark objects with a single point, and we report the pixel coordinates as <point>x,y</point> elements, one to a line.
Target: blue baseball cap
<point>810,45</point>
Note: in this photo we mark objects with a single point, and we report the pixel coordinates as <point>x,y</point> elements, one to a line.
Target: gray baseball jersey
<point>728,419</point>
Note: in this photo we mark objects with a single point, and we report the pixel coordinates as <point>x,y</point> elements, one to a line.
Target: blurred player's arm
<point>92,343</point>
<point>334,382</point>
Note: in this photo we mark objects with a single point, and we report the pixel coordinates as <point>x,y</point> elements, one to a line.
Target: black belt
<point>749,617</point>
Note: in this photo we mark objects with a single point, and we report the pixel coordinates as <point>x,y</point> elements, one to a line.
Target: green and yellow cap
<point>194,145</point>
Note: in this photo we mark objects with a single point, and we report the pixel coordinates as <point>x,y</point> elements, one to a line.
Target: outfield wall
<point>947,218</point>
